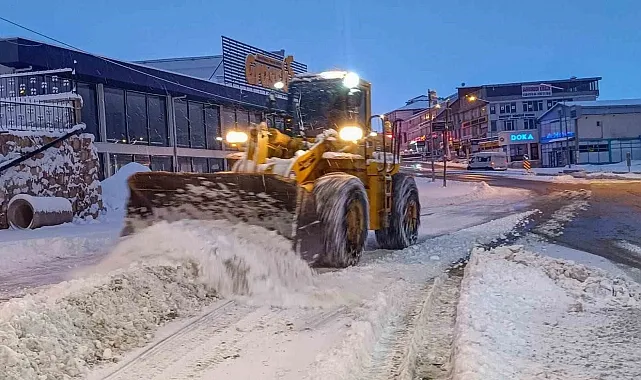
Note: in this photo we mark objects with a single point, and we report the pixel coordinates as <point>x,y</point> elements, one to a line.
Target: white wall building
<point>601,132</point>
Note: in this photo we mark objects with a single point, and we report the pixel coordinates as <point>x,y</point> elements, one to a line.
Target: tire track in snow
<point>157,357</point>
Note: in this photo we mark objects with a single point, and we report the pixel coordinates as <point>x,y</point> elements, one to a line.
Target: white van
<point>488,160</point>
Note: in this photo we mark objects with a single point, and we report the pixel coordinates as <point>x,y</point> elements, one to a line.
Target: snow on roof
<point>598,104</point>
<point>606,103</point>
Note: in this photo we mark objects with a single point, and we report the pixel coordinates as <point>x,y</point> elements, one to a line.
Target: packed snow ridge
<point>166,271</point>
<point>526,316</point>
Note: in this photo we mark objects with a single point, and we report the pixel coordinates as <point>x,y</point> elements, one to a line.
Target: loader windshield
<point>324,104</point>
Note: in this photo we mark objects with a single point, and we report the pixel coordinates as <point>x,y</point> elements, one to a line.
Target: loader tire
<point>343,211</point>
<point>404,219</point>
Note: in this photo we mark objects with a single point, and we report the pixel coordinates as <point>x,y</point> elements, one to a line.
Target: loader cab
<point>318,102</point>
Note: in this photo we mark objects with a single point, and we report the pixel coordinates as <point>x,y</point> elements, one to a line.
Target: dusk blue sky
<point>402,47</point>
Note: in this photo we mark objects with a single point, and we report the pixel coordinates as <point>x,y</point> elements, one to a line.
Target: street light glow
<point>471,98</point>
<point>279,85</point>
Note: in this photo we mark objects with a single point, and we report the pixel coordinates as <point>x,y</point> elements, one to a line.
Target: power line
<point>129,67</point>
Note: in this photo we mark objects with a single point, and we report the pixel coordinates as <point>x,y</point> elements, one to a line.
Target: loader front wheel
<point>342,207</point>
<point>404,219</point>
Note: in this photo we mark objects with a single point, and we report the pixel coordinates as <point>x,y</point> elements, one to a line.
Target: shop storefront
<point>517,144</point>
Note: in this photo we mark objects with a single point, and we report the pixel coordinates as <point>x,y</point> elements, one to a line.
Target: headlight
<point>351,133</point>
<point>351,80</point>
<point>235,137</point>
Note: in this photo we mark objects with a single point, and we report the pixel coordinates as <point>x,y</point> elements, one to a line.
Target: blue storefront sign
<point>522,137</point>
<point>557,136</point>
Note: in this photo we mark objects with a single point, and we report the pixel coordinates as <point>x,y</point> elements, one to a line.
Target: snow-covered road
<point>200,300</point>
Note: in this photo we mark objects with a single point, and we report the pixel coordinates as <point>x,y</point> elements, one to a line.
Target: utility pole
<point>429,113</point>
<point>445,141</point>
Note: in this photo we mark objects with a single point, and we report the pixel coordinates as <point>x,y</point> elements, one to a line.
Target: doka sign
<point>521,137</point>
<point>518,137</point>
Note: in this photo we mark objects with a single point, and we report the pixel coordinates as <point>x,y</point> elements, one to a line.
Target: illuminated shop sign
<point>518,137</point>
<point>522,137</point>
<point>557,136</point>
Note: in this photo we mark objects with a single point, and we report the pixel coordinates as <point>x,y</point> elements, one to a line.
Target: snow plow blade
<point>267,200</point>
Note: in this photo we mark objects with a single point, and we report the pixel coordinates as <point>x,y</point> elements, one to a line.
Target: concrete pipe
<point>29,212</point>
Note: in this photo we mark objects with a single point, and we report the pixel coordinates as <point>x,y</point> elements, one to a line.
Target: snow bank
<point>526,316</point>
<point>163,272</point>
<point>457,192</point>
<point>45,204</point>
<point>115,191</point>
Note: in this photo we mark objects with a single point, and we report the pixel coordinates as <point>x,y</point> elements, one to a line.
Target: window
<point>513,107</point>
<point>184,164</point>
<point>200,165</point>
<point>182,123</point>
<point>255,118</point>
<point>196,125</point>
<point>157,115</point>
<point>529,124</point>
<point>534,149</point>
<point>502,108</point>
<point>115,115</point>
<point>492,109</point>
<point>242,119</point>
<point>142,160</point>
<point>89,112</point>
<point>598,123</point>
<point>493,126</point>
<point>533,106</point>
<point>517,151</point>
<point>508,125</point>
<point>212,126</point>
<point>162,163</point>
<point>117,161</point>
<point>137,118</point>
<point>228,120</point>
<point>216,165</point>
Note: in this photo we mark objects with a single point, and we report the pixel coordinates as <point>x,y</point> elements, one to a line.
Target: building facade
<point>166,114</point>
<point>592,132</point>
<point>504,116</point>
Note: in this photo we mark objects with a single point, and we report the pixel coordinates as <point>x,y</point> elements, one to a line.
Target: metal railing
<point>37,116</point>
<point>36,83</point>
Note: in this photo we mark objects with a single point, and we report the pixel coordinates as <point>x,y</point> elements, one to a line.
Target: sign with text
<point>519,137</point>
<point>257,68</point>
<point>534,90</point>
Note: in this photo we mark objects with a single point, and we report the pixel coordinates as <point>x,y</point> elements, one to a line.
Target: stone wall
<point>68,169</point>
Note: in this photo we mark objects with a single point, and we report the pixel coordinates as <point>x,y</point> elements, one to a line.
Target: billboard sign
<point>536,90</point>
<point>256,68</point>
<point>519,137</point>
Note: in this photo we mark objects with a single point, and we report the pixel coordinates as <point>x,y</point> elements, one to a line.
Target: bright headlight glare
<point>351,80</point>
<point>351,133</point>
<point>236,137</point>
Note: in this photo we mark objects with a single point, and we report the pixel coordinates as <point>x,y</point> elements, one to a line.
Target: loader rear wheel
<point>342,208</point>
<point>405,218</point>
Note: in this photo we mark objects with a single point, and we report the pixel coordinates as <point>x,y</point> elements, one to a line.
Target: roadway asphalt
<point>611,223</point>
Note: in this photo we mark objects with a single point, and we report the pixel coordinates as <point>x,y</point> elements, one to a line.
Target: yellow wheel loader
<point>323,181</point>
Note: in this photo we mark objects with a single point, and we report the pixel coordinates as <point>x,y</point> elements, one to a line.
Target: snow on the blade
<point>165,271</point>
<point>115,190</point>
<point>522,315</point>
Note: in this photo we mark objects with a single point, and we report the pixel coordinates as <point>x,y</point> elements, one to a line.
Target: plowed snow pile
<point>166,271</point>
<point>526,316</point>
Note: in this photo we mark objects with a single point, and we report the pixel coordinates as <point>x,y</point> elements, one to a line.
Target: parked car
<point>488,160</point>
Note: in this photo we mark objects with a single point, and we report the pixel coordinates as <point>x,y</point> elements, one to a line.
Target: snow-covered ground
<point>50,254</point>
<point>200,300</point>
<point>463,204</point>
<point>526,316</point>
